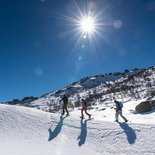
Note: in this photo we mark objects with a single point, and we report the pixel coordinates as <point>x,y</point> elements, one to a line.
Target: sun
<point>87,25</point>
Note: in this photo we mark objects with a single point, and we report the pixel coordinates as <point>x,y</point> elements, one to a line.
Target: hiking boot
<point>67,115</point>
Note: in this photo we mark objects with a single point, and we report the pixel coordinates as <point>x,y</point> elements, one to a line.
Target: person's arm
<point>61,100</point>
<point>116,105</point>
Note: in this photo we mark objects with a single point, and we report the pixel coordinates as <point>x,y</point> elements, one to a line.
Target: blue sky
<point>37,53</point>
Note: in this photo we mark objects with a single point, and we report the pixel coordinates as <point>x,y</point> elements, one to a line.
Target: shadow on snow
<point>83,133</point>
<point>130,133</point>
<point>53,134</point>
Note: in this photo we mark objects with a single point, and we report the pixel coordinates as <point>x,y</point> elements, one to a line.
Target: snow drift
<point>31,132</point>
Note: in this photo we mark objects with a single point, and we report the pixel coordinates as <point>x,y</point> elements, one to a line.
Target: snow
<point>107,114</point>
<point>102,89</point>
<point>29,131</point>
<point>127,86</point>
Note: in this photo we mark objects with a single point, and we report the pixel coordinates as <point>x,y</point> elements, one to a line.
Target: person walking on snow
<point>118,109</point>
<point>65,104</point>
<point>84,108</point>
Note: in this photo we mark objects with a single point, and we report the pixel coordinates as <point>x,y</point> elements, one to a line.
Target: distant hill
<point>101,89</point>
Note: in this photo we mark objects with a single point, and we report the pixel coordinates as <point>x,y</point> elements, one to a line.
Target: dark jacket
<point>65,100</point>
<point>84,103</point>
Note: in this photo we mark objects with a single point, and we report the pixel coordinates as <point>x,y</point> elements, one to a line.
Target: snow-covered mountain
<point>101,89</point>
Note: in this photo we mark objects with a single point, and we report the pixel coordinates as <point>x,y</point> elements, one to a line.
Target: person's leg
<point>67,111</point>
<point>63,110</point>
<point>123,116</point>
<point>116,116</point>
<point>87,112</point>
<point>82,112</point>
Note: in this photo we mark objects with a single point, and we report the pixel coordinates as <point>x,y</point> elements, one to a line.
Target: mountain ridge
<point>134,83</point>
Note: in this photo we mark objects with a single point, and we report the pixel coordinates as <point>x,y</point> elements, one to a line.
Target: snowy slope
<point>102,89</point>
<point>129,85</point>
<point>31,132</point>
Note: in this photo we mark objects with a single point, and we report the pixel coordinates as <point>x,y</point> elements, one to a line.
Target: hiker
<point>118,109</point>
<point>84,108</point>
<point>65,104</point>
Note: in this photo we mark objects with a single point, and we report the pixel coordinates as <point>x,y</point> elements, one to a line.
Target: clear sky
<point>41,49</point>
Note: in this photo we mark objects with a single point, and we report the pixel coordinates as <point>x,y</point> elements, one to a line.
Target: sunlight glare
<point>87,24</point>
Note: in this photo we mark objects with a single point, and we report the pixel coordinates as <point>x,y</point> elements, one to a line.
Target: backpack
<point>120,104</point>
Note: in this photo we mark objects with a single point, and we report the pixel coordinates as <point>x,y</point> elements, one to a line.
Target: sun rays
<point>86,23</point>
